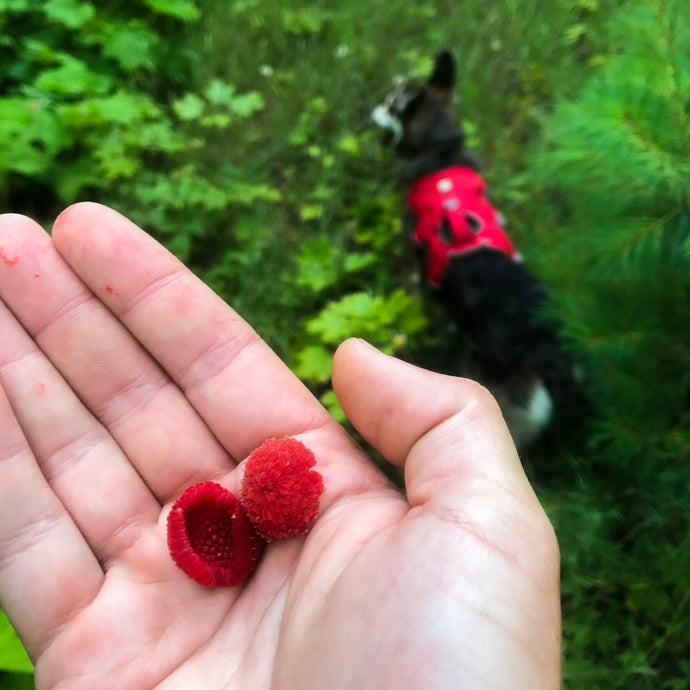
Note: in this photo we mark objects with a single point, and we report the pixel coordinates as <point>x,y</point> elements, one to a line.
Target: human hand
<point>125,379</point>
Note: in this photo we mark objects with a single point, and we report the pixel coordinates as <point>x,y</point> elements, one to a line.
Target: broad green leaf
<point>311,211</point>
<point>247,103</point>
<point>73,77</point>
<point>313,364</point>
<point>244,191</point>
<point>189,107</point>
<point>330,401</point>
<point>317,264</point>
<point>354,314</point>
<point>356,261</point>
<point>304,21</point>
<point>219,92</point>
<point>30,136</point>
<point>157,135</point>
<point>220,120</point>
<point>180,9</point>
<point>123,107</point>
<point>13,657</point>
<point>381,319</point>
<point>71,13</point>
<point>39,51</point>
<point>16,5</point>
<point>131,45</point>
<point>72,179</point>
<point>350,144</point>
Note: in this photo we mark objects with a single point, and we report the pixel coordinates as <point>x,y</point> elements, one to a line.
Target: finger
<point>238,385</point>
<point>126,390</point>
<point>444,431</point>
<point>85,468</point>
<point>47,571</point>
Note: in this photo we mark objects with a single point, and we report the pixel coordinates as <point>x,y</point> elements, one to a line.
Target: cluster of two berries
<point>216,538</point>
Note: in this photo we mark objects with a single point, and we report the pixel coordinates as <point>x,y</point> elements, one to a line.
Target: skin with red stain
<point>7,259</point>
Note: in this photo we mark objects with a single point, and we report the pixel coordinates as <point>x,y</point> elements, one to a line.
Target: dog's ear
<point>444,73</point>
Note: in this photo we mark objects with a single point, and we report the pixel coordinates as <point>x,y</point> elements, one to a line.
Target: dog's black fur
<point>494,299</point>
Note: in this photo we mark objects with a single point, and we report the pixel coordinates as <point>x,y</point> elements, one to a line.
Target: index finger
<point>244,392</point>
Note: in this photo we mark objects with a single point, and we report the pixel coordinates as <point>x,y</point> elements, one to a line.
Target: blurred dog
<point>468,259</point>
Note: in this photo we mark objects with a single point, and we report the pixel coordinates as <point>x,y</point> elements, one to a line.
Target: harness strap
<point>454,216</point>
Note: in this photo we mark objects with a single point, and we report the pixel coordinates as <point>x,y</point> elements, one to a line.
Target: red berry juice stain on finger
<point>7,259</point>
<point>110,291</point>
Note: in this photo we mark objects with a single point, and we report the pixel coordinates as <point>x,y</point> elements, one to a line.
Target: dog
<point>467,257</point>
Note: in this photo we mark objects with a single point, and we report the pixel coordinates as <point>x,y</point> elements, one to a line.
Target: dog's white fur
<point>383,118</point>
<point>526,422</point>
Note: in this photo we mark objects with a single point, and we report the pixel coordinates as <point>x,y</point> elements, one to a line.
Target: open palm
<point>125,379</point>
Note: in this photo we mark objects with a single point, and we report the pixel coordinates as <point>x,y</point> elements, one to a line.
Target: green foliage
<point>16,668</point>
<point>238,133</point>
<point>391,319</point>
<point>620,158</point>
<point>385,321</point>
<point>12,654</point>
<point>93,110</point>
<point>616,158</point>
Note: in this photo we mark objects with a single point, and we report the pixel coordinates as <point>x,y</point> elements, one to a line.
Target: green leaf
<point>330,401</point>
<point>385,321</point>
<point>317,264</point>
<point>13,657</point>
<point>304,21</point>
<point>73,178</point>
<point>122,108</point>
<point>131,45</point>
<point>39,51</point>
<point>125,107</point>
<point>184,10</point>
<point>220,120</point>
<point>156,136</point>
<point>350,145</point>
<point>247,103</point>
<point>189,107</point>
<point>116,161</point>
<point>71,13</point>
<point>313,364</point>
<point>72,77</point>
<point>219,92</point>
<point>357,261</point>
<point>311,211</point>
<point>16,5</point>
<point>30,136</point>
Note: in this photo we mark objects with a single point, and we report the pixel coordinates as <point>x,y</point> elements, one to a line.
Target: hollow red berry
<point>210,536</point>
<point>280,491</point>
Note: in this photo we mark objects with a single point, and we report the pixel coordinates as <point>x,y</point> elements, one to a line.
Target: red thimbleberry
<point>279,491</point>
<point>210,536</point>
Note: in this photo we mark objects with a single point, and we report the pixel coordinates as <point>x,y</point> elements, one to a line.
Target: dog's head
<point>418,117</point>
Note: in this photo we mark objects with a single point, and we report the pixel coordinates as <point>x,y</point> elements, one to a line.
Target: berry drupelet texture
<point>280,491</point>
<point>210,536</point>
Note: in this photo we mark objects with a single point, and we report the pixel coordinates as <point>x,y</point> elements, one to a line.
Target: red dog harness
<point>457,194</point>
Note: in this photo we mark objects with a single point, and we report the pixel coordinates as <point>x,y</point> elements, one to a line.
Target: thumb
<point>444,431</point>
